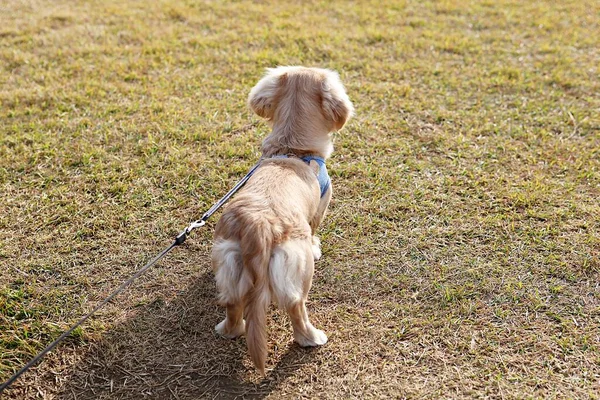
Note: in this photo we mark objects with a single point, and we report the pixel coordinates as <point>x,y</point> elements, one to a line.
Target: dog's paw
<point>317,338</point>
<point>316,248</point>
<point>232,333</point>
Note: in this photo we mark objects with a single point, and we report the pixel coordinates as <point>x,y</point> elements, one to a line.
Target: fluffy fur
<point>264,246</point>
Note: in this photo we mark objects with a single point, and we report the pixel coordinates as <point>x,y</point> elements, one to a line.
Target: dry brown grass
<point>462,250</point>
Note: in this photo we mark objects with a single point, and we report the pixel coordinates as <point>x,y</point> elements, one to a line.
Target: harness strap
<point>322,175</point>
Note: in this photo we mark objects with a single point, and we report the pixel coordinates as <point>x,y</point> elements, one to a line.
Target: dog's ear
<point>262,96</point>
<point>336,105</point>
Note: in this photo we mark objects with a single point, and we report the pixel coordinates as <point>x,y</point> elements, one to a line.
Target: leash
<point>178,241</point>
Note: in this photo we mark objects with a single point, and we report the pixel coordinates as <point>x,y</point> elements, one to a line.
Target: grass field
<point>461,253</point>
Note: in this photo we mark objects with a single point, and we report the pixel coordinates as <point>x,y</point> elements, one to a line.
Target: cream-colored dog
<point>264,243</point>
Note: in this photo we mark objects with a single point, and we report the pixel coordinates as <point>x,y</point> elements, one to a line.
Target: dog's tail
<point>257,245</point>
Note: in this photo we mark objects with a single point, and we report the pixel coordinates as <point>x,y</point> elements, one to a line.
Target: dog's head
<point>302,98</point>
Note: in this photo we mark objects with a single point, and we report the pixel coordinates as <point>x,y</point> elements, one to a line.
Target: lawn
<point>461,252</point>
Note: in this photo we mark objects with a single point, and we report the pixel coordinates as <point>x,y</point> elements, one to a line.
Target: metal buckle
<point>196,224</point>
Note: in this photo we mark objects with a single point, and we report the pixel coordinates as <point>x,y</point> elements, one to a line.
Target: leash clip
<point>183,235</point>
<point>196,224</point>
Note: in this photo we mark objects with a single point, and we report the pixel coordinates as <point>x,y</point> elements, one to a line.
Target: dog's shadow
<point>171,351</point>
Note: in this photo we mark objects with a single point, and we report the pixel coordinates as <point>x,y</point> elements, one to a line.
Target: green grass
<point>462,247</point>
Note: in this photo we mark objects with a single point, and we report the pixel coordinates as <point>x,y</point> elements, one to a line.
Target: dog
<point>264,243</point>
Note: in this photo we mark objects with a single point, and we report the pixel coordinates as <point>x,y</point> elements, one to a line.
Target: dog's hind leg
<point>233,284</point>
<point>233,325</point>
<point>304,332</point>
<point>291,271</point>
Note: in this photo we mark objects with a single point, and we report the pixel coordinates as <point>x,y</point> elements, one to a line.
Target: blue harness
<point>322,176</point>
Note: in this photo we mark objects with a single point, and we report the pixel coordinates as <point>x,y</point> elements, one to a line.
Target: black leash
<point>178,241</point>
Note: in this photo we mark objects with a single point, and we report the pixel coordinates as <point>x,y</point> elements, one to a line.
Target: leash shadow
<point>170,351</point>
